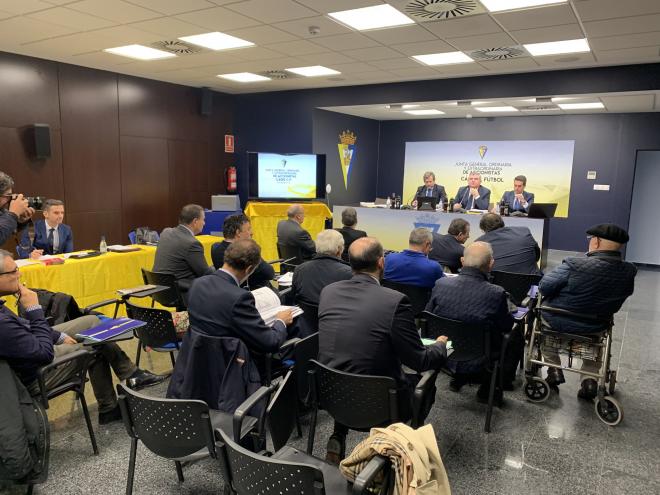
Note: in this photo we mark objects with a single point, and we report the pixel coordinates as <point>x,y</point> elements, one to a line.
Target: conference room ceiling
<point>630,102</point>
<point>297,33</point>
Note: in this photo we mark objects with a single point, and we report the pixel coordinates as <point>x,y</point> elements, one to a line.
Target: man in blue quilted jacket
<point>595,284</point>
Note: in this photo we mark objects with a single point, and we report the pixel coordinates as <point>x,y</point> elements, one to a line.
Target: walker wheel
<point>609,411</point>
<point>537,389</point>
<point>612,382</point>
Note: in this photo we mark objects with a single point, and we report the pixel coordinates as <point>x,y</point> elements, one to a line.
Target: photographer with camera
<point>15,210</point>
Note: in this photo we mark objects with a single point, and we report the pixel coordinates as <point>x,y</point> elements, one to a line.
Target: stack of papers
<point>268,304</point>
<point>286,279</point>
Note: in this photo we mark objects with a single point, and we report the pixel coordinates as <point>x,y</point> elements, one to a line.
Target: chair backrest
<point>170,428</point>
<point>159,329</point>
<point>357,401</point>
<point>310,317</point>
<point>419,296</point>
<point>287,252</point>
<point>304,351</point>
<point>469,341</point>
<point>516,284</point>
<point>249,473</point>
<point>169,298</point>
<point>282,411</point>
<point>131,237</point>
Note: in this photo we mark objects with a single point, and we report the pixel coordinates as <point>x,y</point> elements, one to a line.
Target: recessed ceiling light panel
<point>139,52</point>
<point>443,58</point>
<point>244,77</point>
<point>500,5</point>
<point>496,109</point>
<point>595,105</point>
<point>376,17</point>
<point>313,71</point>
<point>216,41</point>
<point>558,47</point>
<point>425,112</point>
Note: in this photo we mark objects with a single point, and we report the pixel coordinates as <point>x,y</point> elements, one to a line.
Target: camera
<point>36,202</point>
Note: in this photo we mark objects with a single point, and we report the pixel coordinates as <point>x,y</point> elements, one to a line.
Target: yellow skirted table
<point>264,218</point>
<point>96,279</point>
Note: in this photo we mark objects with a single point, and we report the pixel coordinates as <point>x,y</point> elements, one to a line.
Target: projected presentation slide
<point>287,176</point>
<point>546,164</point>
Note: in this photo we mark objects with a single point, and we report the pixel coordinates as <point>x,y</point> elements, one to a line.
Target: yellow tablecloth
<point>265,216</point>
<point>96,279</point>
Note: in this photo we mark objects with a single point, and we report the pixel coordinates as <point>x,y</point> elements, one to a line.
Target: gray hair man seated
<point>291,234</point>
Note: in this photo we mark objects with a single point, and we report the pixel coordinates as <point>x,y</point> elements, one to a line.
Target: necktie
<point>515,204</point>
<point>428,193</point>
<point>51,239</point>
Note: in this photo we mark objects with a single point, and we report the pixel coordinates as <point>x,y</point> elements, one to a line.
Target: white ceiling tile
<point>625,25</point>
<point>255,53</point>
<point>262,35</point>
<point>554,33</point>
<point>372,75</point>
<point>300,27</point>
<point>346,42</point>
<point>591,10</point>
<point>269,11</point>
<point>218,19</point>
<point>19,7</point>
<point>626,41</point>
<point>168,27</point>
<point>126,35</point>
<point>190,61</point>
<point>300,47</point>
<point>418,71</point>
<point>484,41</point>
<point>553,15</point>
<point>461,69</point>
<point>73,19</point>
<point>327,59</point>
<point>116,10</point>
<point>629,103</point>
<point>646,53</point>
<point>19,30</point>
<point>401,34</point>
<point>373,53</point>
<point>567,60</point>
<point>172,7</point>
<point>354,67</point>
<point>467,26</point>
<point>424,47</point>
<point>511,64</point>
<point>325,6</point>
<point>76,43</point>
<point>99,59</point>
<point>396,63</point>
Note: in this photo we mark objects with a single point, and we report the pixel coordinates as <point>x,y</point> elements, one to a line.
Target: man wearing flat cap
<point>595,284</point>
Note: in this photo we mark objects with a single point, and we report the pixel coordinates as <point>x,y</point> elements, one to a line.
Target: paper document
<point>118,248</point>
<point>22,263</point>
<point>268,304</point>
<point>133,290</point>
<point>286,279</point>
<point>433,341</point>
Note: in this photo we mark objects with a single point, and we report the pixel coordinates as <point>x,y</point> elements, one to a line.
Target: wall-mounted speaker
<point>206,102</point>
<point>39,141</point>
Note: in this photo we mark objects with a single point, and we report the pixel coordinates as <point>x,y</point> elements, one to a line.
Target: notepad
<point>109,329</point>
<point>268,304</point>
<point>433,341</point>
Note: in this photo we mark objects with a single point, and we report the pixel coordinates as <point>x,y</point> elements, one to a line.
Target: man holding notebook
<point>29,343</point>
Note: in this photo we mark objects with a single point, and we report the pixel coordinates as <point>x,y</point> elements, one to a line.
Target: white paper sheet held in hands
<point>268,305</point>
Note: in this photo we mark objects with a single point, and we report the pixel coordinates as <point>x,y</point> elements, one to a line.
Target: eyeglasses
<point>15,270</point>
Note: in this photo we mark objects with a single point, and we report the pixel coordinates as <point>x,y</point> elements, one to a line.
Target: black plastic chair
<point>303,352</point>
<point>292,256</point>
<point>308,322</point>
<point>179,430</point>
<point>78,363</point>
<point>516,284</point>
<point>159,333</point>
<point>419,296</point>
<point>470,342</point>
<point>170,298</point>
<point>361,402</point>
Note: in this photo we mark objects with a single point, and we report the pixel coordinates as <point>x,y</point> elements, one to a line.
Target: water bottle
<point>501,208</point>
<point>506,209</point>
<point>450,206</point>
<point>103,247</point>
<point>397,203</point>
<point>388,203</point>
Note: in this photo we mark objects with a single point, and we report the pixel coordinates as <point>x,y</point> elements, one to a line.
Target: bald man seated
<point>290,233</point>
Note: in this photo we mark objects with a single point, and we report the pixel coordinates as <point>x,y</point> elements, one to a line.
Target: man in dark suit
<point>430,190</point>
<point>218,306</point>
<point>472,196</point>
<point>348,230</point>
<point>290,233</point>
<point>448,249</point>
<point>518,199</point>
<point>470,298</point>
<point>51,236</point>
<point>368,329</point>
<point>235,228</point>
<point>179,253</point>
<point>514,248</point>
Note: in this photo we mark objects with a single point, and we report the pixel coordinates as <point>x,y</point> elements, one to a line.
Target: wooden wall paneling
<point>184,113</point>
<point>189,174</point>
<point>89,226</point>
<point>143,108</point>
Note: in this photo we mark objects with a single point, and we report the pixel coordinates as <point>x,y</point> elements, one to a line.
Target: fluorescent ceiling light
<point>244,77</point>
<point>139,52</point>
<point>500,5</point>
<point>216,41</point>
<point>313,71</point>
<point>425,112</point>
<point>409,106</point>
<point>400,106</point>
<point>560,98</point>
<point>581,106</point>
<point>443,58</point>
<point>497,109</point>
<point>557,47</point>
<point>376,17</point>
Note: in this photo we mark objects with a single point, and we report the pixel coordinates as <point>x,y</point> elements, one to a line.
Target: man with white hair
<point>412,266</point>
<point>290,233</point>
<point>471,299</point>
<point>472,196</point>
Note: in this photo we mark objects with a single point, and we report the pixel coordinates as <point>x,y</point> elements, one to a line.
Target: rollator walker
<point>581,346</point>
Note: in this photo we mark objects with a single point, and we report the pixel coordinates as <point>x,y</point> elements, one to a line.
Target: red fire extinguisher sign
<point>229,143</point>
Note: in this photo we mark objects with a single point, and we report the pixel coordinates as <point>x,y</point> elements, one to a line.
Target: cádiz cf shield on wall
<point>346,153</point>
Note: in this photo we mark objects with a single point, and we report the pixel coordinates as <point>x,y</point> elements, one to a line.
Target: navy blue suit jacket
<point>463,197</point>
<point>510,196</point>
<point>438,193</point>
<point>41,239</point>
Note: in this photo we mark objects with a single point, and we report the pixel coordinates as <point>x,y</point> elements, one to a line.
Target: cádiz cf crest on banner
<point>346,153</point>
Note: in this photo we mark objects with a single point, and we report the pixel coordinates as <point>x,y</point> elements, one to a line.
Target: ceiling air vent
<point>500,53</point>
<point>433,10</point>
<point>177,47</point>
<point>278,74</point>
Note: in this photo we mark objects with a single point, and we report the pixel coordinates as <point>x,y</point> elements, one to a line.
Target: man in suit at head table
<point>472,196</point>
<point>51,236</point>
<point>430,190</point>
<point>518,199</point>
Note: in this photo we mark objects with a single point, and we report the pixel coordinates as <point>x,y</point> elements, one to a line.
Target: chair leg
<point>172,358</point>
<point>131,466</point>
<point>90,429</point>
<point>179,471</point>
<point>491,395</point>
<point>312,430</point>
<point>139,353</point>
<point>30,489</point>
